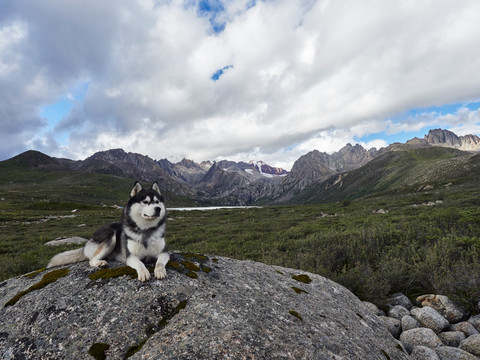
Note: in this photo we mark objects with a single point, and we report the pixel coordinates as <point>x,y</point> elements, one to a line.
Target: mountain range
<point>351,172</point>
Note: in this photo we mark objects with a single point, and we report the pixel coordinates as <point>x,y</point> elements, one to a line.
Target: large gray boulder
<point>447,308</point>
<point>419,337</point>
<point>398,312</point>
<point>399,299</point>
<point>453,353</point>
<point>423,353</point>
<point>393,325</point>
<point>430,318</point>
<point>466,327</point>
<point>409,322</point>
<point>206,308</point>
<point>452,338</point>
<point>475,321</point>
<point>471,344</point>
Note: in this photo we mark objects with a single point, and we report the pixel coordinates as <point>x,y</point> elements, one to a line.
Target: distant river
<point>212,208</point>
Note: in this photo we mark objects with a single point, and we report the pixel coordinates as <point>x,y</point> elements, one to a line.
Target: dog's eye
<point>157,202</point>
<point>145,202</point>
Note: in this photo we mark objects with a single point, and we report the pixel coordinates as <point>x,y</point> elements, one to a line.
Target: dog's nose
<point>157,210</point>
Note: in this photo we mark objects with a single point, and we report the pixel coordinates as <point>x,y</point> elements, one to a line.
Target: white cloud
<point>299,74</point>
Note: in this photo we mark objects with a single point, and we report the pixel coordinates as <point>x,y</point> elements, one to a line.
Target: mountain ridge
<point>227,182</point>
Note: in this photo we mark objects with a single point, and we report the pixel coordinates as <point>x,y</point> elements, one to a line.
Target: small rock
<point>393,325</point>
<point>453,353</point>
<point>399,299</point>
<point>452,338</point>
<point>423,353</point>
<point>409,322</point>
<point>420,336</point>
<point>475,321</point>
<point>398,312</point>
<point>64,241</point>
<point>430,318</point>
<point>467,328</point>
<point>471,344</point>
<point>447,308</point>
<point>374,309</point>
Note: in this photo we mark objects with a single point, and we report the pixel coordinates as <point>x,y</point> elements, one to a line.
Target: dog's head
<point>146,207</point>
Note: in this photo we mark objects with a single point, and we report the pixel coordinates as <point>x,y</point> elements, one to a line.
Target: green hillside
<point>33,177</point>
<point>398,173</point>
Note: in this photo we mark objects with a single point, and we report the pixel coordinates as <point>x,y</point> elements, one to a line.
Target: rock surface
<point>206,308</point>
<point>426,333</point>
<point>444,306</point>
<point>430,318</point>
<point>67,241</point>
<point>421,336</point>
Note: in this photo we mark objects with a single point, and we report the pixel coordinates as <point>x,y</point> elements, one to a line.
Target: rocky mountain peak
<point>110,155</point>
<point>266,169</point>
<point>443,138</point>
<point>187,163</point>
<point>206,308</point>
<point>446,138</point>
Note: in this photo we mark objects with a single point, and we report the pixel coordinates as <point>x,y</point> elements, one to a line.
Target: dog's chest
<point>145,247</point>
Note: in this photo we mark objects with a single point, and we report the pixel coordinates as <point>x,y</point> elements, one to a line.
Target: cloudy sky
<point>238,79</point>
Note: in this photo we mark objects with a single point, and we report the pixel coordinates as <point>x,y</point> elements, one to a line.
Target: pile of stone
<point>435,329</point>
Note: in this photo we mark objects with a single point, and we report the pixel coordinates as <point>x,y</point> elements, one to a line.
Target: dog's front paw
<point>98,263</point>
<point>160,271</point>
<point>143,274</point>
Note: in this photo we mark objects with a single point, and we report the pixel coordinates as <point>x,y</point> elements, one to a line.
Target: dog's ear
<point>136,189</point>
<point>156,188</point>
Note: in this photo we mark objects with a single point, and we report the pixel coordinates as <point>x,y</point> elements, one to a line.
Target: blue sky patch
<point>216,75</point>
<point>57,111</point>
<point>213,10</point>
<point>417,113</point>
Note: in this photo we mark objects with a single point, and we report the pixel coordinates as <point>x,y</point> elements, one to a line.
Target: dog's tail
<point>67,257</point>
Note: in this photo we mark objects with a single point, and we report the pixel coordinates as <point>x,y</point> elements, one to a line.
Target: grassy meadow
<point>412,247</point>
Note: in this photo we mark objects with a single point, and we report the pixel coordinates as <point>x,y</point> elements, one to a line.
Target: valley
<point>406,220</point>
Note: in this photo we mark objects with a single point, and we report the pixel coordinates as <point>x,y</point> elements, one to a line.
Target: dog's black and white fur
<point>140,236</point>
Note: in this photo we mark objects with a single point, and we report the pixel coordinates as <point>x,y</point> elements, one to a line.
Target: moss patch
<point>135,348</point>
<point>298,290</point>
<point>32,274</point>
<point>206,269</point>
<point>197,257</point>
<point>113,273</point>
<point>189,264</point>
<point>174,265</point>
<point>192,274</point>
<point>296,314</point>
<point>48,278</point>
<point>97,350</point>
<point>304,278</point>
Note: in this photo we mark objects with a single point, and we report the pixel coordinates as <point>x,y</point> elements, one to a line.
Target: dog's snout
<point>157,210</point>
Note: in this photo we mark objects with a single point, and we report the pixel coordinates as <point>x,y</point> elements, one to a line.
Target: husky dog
<point>138,237</point>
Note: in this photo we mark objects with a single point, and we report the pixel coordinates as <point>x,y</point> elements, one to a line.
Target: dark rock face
<point>136,166</point>
<point>443,137</point>
<point>317,166</point>
<point>206,308</point>
<point>440,137</point>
